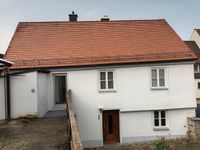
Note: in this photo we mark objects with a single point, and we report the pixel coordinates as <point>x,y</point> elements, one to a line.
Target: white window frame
<point>158,82</point>
<point>160,127</point>
<point>114,81</point>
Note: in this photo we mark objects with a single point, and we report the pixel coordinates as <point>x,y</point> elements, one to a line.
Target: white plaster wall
<point>133,94</point>
<point>23,94</point>
<point>195,37</point>
<point>43,93</point>
<point>51,101</point>
<point>138,126</point>
<point>2,99</point>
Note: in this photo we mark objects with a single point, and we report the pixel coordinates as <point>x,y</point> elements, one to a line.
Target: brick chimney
<point>73,16</point>
<point>105,18</point>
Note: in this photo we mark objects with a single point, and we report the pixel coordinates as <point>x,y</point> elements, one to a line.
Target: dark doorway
<point>60,89</point>
<point>111,126</point>
<point>198,111</point>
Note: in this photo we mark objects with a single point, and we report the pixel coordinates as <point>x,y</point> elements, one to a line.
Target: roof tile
<point>56,44</point>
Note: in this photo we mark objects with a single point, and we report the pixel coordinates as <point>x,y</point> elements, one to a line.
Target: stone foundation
<point>194,128</point>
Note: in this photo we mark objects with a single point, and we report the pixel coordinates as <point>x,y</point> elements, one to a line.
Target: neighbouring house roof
<point>198,31</point>
<point>1,55</point>
<point>194,47</point>
<point>4,63</point>
<point>63,44</point>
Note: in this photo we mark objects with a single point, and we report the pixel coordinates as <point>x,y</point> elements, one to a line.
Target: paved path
<point>34,134</point>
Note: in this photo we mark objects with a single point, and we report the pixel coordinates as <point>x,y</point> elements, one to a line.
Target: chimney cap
<point>73,16</point>
<point>105,18</point>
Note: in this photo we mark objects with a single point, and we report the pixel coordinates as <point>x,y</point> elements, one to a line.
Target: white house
<point>131,80</point>
<point>194,45</point>
<point>196,36</point>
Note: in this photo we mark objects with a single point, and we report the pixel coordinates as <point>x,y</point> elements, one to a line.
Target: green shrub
<point>160,144</point>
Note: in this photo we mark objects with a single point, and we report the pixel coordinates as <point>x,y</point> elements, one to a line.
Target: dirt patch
<point>34,134</point>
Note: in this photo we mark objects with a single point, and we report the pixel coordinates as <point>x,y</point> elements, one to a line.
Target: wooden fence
<point>72,129</point>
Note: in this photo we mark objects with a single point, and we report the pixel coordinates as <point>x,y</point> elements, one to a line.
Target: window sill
<point>107,91</point>
<point>160,128</point>
<point>159,88</point>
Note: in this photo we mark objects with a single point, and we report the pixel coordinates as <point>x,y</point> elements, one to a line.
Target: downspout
<point>7,94</point>
<point>8,110</point>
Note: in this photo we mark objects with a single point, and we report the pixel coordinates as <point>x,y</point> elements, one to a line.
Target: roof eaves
<point>6,62</point>
<point>198,31</point>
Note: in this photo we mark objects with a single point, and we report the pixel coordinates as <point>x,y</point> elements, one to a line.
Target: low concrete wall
<point>74,133</point>
<point>2,100</point>
<point>194,128</point>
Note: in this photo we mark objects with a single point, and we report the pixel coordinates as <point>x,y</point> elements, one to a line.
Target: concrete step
<point>55,113</point>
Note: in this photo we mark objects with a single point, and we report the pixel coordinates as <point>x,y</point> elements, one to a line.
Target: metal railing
<point>72,129</point>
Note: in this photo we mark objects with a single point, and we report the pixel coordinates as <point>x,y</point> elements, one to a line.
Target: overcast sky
<point>182,15</point>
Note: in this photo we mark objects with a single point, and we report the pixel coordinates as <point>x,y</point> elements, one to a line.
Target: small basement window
<point>160,119</point>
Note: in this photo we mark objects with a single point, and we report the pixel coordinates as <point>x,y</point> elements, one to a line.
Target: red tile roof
<point>59,44</point>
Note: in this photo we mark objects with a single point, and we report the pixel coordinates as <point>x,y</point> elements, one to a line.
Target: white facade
<point>195,37</point>
<point>43,93</point>
<point>33,93</point>
<point>135,82</point>
<point>136,101</point>
<point>138,126</point>
<point>2,101</point>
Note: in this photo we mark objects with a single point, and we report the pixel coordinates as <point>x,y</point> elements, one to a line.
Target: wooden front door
<point>111,126</point>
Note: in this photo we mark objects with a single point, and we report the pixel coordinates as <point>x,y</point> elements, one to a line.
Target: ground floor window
<point>160,118</point>
<point>198,85</point>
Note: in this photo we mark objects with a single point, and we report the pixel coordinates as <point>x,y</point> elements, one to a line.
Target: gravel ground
<point>34,134</point>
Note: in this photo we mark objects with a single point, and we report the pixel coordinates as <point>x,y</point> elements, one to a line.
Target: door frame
<point>119,124</point>
<point>54,75</point>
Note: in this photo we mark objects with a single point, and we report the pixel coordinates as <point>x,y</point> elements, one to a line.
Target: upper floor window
<point>158,78</point>
<point>160,119</point>
<point>106,80</point>
<point>198,85</point>
<point>196,67</point>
